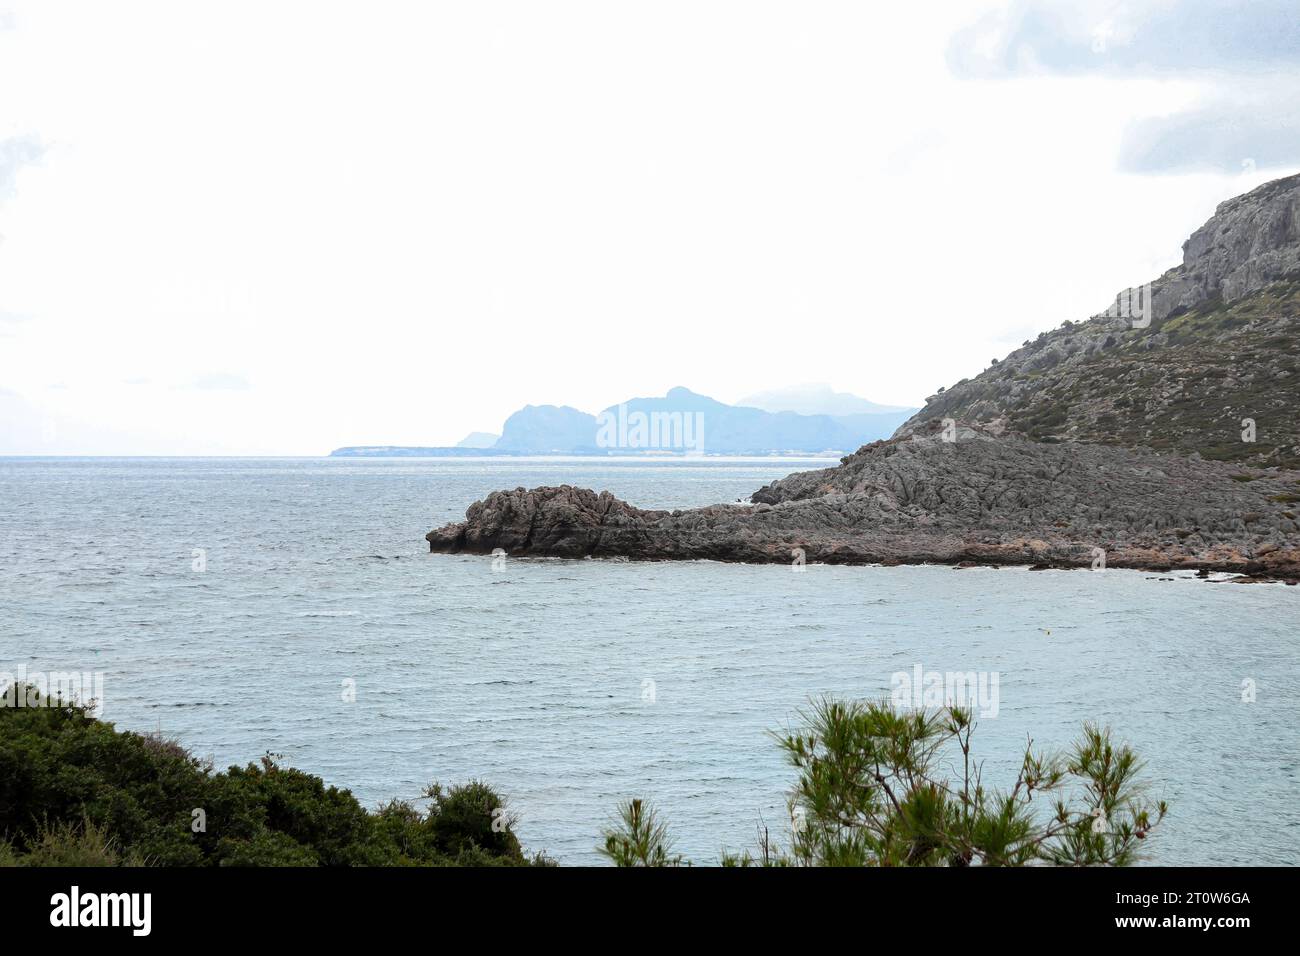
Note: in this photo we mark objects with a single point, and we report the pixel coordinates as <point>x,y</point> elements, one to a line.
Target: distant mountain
<point>547,430</point>
<point>680,422</point>
<point>412,451</point>
<point>816,399</point>
<point>683,422</point>
<point>478,440</point>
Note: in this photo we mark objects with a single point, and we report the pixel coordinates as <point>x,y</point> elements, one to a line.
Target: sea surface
<point>234,602</point>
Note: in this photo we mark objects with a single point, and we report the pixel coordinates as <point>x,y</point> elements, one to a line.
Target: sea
<point>290,606</point>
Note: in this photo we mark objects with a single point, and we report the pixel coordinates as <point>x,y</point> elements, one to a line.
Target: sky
<point>261,229</point>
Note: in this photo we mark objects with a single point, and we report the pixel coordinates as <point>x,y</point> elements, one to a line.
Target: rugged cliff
<point>1212,368</point>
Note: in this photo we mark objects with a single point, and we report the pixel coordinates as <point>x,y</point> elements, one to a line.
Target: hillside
<point>1222,346</point>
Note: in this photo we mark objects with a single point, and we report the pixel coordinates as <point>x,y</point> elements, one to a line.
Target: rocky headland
<point>1164,441</point>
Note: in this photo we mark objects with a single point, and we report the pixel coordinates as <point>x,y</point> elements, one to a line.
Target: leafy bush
<point>470,818</point>
<point>76,791</point>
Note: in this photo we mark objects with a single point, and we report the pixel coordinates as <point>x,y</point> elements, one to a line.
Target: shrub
<point>469,818</point>
<point>76,791</point>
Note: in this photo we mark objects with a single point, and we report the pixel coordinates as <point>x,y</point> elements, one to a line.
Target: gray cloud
<point>1246,51</point>
<point>16,152</point>
<point>1098,36</point>
<point>1227,133</point>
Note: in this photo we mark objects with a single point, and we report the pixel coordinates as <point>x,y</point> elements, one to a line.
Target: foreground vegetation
<point>74,791</point>
<point>871,793</point>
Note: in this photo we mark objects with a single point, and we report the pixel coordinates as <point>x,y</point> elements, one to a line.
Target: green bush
<point>74,791</point>
<point>470,818</point>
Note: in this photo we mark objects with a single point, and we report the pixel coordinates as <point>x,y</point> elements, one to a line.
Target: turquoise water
<point>572,684</point>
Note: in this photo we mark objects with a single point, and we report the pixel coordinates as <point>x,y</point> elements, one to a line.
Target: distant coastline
<point>680,424</point>
<point>419,451</point>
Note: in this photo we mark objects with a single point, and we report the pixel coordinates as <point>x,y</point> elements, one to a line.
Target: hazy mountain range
<point>801,420</point>
<point>816,398</point>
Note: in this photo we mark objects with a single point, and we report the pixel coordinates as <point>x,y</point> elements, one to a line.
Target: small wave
<point>187,704</point>
<point>502,683</point>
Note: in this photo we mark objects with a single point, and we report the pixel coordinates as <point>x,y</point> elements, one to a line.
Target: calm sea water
<point>572,684</point>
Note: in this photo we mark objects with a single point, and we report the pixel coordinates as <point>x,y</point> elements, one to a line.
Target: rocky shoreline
<point>963,496</point>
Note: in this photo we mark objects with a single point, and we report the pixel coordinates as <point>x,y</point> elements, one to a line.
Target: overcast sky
<point>277,228</point>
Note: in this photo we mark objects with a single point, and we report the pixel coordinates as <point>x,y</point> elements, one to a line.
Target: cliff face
<point>1250,242</point>
<point>1219,346</point>
<point>1094,442</point>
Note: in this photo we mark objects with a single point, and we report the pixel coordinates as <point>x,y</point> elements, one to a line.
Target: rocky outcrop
<point>1251,242</point>
<point>983,497</point>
